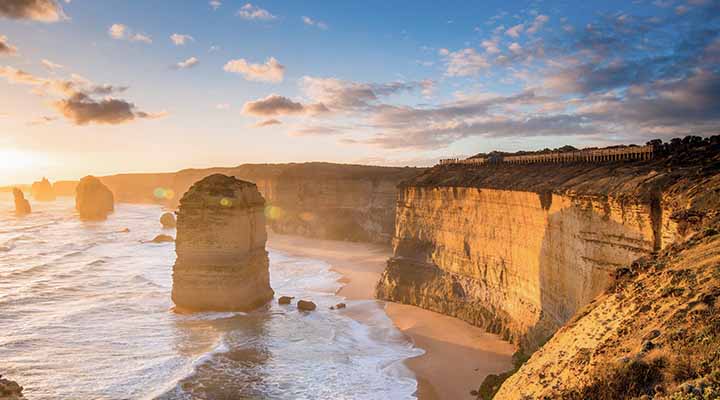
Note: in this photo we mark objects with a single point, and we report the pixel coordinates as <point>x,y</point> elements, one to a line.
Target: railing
<point>591,156</point>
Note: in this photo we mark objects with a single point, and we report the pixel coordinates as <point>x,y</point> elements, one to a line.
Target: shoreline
<point>457,356</point>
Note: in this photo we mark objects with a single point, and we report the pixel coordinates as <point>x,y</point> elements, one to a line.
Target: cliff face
<point>520,249</point>
<point>323,200</point>
<point>222,263</point>
<point>655,333</point>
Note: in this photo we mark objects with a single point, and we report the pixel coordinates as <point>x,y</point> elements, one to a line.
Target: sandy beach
<point>457,356</point>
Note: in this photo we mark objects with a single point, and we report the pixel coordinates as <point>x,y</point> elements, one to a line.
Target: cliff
<point>322,200</point>
<point>655,332</point>
<point>519,249</point>
<point>221,259</point>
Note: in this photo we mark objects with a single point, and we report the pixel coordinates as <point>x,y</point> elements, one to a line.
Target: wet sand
<point>457,356</point>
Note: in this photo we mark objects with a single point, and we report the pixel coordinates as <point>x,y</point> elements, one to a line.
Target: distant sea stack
<point>93,200</point>
<point>221,259</point>
<point>22,206</point>
<point>42,190</point>
<point>10,390</point>
<point>168,220</point>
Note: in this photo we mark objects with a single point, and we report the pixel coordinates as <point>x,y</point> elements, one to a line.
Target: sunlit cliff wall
<point>519,249</point>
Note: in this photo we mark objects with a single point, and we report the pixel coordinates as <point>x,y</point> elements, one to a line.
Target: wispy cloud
<point>267,122</point>
<point>122,32</point>
<point>271,71</point>
<point>50,65</point>
<point>312,22</point>
<point>188,63</point>
<point>215,4</point>
<point>181,39</point>
<point>252,12</point>
<point>275,105</point>
<point>465,62</point>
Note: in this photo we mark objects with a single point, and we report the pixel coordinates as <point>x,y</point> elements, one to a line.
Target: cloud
<point>222,106</point>
<point>122,32</point>
<point>491,46</point>
<point>42,121</point>
<point>465,62</point>
<point>180,39</point>
<point>515,31</point>
<point>314,131</point>
<point>275,105</point>
<point>50,65</point>
<point>267,122</point>
<point>272,71</point>
<point>35,10</point>
<point>189,63</point>
<point>117,31</point>
<point>6,48</point>
<point>251,12</point>
<point>311,22</point>
<point>341,95</point>
<point>539,22</point>
<point>80,103</point>
<point>215,4</point>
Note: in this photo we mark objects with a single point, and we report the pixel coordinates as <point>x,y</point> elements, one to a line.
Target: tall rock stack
<point>22,206</point>
<point>93,200</point>
<point>221,259</point>
<point>42,190</point>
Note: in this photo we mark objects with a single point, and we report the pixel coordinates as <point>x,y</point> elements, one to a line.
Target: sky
<point>102,87</point>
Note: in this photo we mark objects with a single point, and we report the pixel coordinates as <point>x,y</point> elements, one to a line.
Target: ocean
<point>85,313</point>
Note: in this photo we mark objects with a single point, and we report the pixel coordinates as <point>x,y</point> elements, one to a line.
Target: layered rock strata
<point>519,249</point>
<point>22,206</point>
<point>93,200</point>
<point>221,261</point>
<point>42,190</point>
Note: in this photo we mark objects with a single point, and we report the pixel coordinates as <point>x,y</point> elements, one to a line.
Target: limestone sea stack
<point>42,190</point>
<point>22,206</point>
<point>221,261</point>
<point>93,200</point>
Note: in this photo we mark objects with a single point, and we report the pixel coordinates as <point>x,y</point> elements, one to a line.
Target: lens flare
<point>273,212</point>
<point>225,202</point>
<point>163,193</point>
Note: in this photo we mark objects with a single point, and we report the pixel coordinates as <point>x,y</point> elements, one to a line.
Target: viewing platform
<point>589,156</point>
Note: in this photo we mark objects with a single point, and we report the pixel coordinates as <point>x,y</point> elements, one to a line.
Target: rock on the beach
<point>221,261</point>
<point>285,300</point>
<point>42,190</point>
<point>306,305</point>
<point>10,390</point>
<point>340,306</point>
<point>93,200</point>
<point>163,239</point>
<point>22,206</point>
<point>168,220</point>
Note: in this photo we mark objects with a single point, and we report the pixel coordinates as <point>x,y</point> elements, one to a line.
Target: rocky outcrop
<point>655,332</point>
<point>221,261</point>
<point>93,200</point>
<point>519,249</point>
<point>168,220</point>
<point>10,390</point>
<point>42,190</point>
<point>306,305</point>
<point>22,206</point>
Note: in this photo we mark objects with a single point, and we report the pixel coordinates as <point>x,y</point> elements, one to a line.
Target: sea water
<point>85,313</point>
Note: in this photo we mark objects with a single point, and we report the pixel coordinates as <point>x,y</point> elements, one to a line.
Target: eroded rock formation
<point>221,262</point>
<point>168,220</point>
<point>22,206</point>
<point>93,200</point>
<point>10,390</point>
<point>42,190</point>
